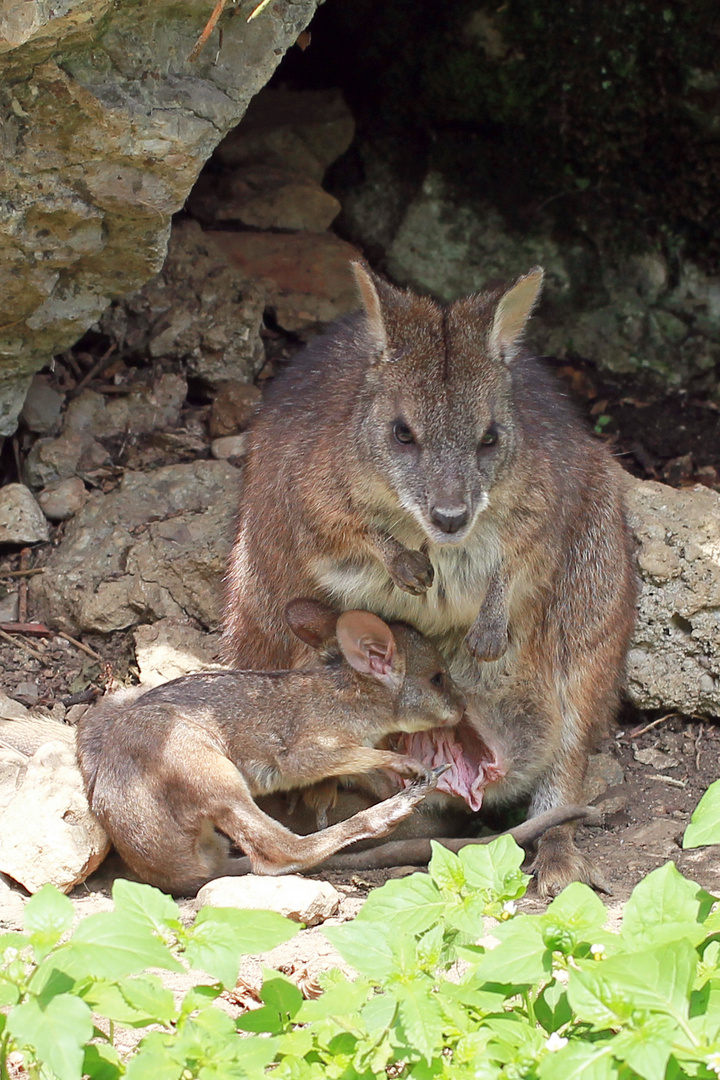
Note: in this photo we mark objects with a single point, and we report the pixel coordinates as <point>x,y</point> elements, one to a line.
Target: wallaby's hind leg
<point>273,849</point>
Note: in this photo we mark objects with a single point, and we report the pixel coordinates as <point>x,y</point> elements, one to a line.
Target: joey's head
<point>437,425</point>
<point>420,693</point>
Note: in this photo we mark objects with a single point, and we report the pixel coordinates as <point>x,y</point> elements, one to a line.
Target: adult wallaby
<point>417,461</point>
<point>166,768</point>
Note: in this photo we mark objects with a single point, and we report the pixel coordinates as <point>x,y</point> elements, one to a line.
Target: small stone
<point>301,899</point>
<point>21,519</point>
<point>231,446</point>
<point>27,692</point>
<point>678,470</point>
<point>604,771</point>
<point>657,759</point>
<point>51,460</point>
<point>42,407</point>
<point>9,607</point>
<point>263,197</point>
<point>61,500</point>
<point>232,408</point>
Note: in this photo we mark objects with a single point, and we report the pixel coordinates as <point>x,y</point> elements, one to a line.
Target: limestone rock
<point>155,547</point>
<point>170,648</point>
<point>674,661</point>
<point>60,501</point>
<point>47,833</point>
<point>232,408</point>
<point>263,197</point>
<point>310,272</point>
<point>303,131</point>
<point>43,403</point>
<point>229,447</point>
<point>73,453</point>
<point>298,898</point>
<point>199,310</point>
<point>106,125</point>
<point>143,410</point>
<point>21,519</point>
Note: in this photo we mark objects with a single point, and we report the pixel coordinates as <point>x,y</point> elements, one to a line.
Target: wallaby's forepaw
<point>556,866</point>
<point>488,640</point>
<point>412,572</point>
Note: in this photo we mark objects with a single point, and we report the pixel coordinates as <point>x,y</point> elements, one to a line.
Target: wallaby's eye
<point>489,438</point>
<point>402,433</point>
<point>438,680</point>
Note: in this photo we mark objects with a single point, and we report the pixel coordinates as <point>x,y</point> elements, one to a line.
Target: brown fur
<point>531,599</point>
<point>165,769</point>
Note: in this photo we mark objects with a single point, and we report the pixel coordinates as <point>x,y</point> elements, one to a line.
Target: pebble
<point>42,407</point>
<point>230,446</point>
<point>232,408</point>
<point>61,500</point>
<point>21,519</point>
<point>301,899</point>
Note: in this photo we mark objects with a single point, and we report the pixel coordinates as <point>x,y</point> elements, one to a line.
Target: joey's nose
<point>450,518</point>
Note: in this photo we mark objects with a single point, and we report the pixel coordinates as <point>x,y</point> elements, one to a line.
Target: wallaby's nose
<point>450,518</point>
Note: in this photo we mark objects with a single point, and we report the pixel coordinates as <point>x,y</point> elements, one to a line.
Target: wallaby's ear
<point>512,313</point>
<point>311,621</point>
<point>367,287</point>
<point>368,645</point>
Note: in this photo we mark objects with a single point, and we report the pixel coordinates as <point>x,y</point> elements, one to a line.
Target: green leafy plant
<point>704,827</point>
<point>65,995</point>
<point>452,983</point>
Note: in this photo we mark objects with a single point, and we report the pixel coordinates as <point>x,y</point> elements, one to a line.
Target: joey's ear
<point>311,621</point>
<point>367,285</point>
<point>512,314</point>
<point>368,645</point>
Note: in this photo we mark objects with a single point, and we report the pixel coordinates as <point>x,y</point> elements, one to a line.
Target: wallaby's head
<point>419,691</point>
<point>437,424</point>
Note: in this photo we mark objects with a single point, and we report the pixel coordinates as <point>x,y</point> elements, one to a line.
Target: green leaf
<point>445,868</point>
<point>281,1000</point>
<point>521,958</point>
<point>665,906</point>
<point>495,868</point>
<point>410,905</point>
<point>220,936</point>
<point>367,947</point>
<point>101,1061</point>
<point>155,1059</point>
<point>578,909</point>
<point>421,1018</point>
<point>134,1002</point>
<point>658,980</point>
<point>579,1061</point>
<point>341,997</point>
<point>704,827</point>
<point>552,1008</point>
<point>646,1049</point>
<point>56,1033</point>
<point>145,906</point>
<point>48,912</point>
<point>109,946</point>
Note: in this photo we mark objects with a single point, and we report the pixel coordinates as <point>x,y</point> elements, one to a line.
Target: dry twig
<point>209,27</point>
<point>20,644</point>
<point>79,645</point>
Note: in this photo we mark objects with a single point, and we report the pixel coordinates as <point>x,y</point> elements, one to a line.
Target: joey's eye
<point>490,437</point>
<point>438,679</point>
<point>402,433</point>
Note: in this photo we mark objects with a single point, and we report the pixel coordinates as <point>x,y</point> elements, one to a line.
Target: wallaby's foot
<point>412,572</point>
<point>488,640</point>
<point>559,862</point>
<point>412,769</point>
